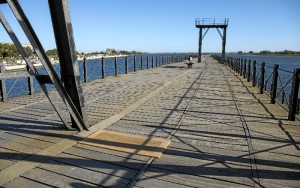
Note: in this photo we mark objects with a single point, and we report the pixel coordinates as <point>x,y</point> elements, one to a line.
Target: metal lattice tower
<point>207,23</point>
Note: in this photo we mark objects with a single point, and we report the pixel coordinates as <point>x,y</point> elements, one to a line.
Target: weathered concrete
<point>224,134</point>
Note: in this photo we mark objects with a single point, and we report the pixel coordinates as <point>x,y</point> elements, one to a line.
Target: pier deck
<point>223,134</point>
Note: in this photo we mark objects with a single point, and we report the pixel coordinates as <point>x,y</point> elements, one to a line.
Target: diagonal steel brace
<point>36,44</point>
<point>32,69</point>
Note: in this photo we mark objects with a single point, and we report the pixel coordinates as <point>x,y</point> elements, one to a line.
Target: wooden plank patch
<point>129,143</point>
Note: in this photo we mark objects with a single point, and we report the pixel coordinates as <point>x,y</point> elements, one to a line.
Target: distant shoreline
<point>23,66</point>
<point>266,54</point>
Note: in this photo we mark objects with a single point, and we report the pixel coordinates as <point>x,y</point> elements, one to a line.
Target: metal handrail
<point>211,21</point>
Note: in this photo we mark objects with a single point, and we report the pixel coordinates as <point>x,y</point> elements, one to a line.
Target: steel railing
<point>279,84</point>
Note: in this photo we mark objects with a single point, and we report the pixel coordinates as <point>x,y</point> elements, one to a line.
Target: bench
<point>189,64</point>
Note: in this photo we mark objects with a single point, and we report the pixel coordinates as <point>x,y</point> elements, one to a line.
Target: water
<point>18,87</point>
<point>287,64</point>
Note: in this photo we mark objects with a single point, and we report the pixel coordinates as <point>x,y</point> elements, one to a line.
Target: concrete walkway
<point>223,133</point>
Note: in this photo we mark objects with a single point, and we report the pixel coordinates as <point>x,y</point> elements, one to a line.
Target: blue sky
<point>168,25</point>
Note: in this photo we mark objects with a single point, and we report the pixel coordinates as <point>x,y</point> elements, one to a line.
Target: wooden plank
<point>96,165</point>
<point>196,166</point>
<point>24,140</point>
<point>20,147</point>
<point>129,143</point>
<point>111,152</point>
<point>54,179</point>
<point>24,183</point>
<point>154,182</point>
<point>10,157</point>
<point>112,158</point>
<point>154,174</point>
<point>98,178</point>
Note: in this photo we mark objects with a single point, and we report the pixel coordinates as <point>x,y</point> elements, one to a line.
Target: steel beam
<point>223,43</point>
<point>36,44</point>
<point>30,68</point>
<point>70,76</point>
<point>200,45</point>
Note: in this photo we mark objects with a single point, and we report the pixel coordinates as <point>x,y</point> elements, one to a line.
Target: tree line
<point>267,52</point>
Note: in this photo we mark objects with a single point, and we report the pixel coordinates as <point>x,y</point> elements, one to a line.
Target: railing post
<point>294,95</point>
<point>249,71</point>
<point>134,62</point>
<point>85,78</point>
<point>282,98</point>
<point>159,61</point>
<point>126,65</point>
<point>241,67</point>
<point>274,84</point>
<point>103,68</point>
<point>156,61</point>
<point>147,62</point>
<point>141,62</point>
<point>3,86</point>
<point>116,66</point>
<point>152,60</point>
<point>245,65</point>
<point>30,83</point>
<point>238,65</point>
<point>262,78</point>
<point>254,73</point>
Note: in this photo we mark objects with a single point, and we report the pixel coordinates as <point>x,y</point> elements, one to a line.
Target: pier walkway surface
<point>223,134</point>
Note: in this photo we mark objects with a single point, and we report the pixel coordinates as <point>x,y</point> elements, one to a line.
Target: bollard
<point>3,86</point>
<point>134,61</point>
<point>126,65</point>
<point>30,83</point>
<point>156,61</point>
<point>102,70</point>
<point>274,84</point>
<point>141,62</point>
<point>85,77</point>
<point>249,71</point>
<point>254,73</point>
<point>294,95</point>
<point>116,66</point>
<point>262,78</point>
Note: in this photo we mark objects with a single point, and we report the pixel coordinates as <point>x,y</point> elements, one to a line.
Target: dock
<point>223,133</point>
